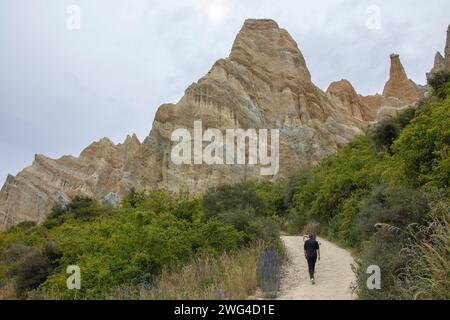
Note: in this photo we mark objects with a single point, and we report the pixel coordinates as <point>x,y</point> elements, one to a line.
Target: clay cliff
<point>441,64</point>
<point>447,51</point>
<point>263,84</point>
<point>399,86</point>
<point>345,97</point>
<point>399,93</point>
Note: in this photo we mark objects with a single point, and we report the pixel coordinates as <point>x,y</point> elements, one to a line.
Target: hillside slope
<point>386,195</point>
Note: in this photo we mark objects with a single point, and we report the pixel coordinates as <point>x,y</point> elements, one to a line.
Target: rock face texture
<point>447,50</point>
<point>368,109</point>
<point>100,169</point>
<point>441,64</point>
<point>399,93</point>
<point>399,86</point>
<point>263,84</point>
<point>345,97</point>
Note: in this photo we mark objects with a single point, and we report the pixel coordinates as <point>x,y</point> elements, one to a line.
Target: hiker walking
<point>312,254</point>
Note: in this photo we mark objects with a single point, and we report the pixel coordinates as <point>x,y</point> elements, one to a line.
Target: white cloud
<point>215,10</point>
<point>61,89</point>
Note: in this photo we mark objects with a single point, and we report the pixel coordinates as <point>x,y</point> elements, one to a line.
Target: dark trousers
<point>311,265</point>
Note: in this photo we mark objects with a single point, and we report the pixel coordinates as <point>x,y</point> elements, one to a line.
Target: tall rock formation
<point>447,50</point>
<point>100,169</point>
<point>345,97</point>
<point>441,64</point>
<point>399,94</point>
<point>263,84</point>
<point>398,85</point>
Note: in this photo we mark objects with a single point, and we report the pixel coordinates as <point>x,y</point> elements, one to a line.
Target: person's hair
<point>312,236</point>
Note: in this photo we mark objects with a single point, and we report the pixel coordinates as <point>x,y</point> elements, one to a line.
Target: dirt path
<point>333,273</point>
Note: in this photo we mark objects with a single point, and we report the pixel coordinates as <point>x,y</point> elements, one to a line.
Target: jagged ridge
<point>264,83</point>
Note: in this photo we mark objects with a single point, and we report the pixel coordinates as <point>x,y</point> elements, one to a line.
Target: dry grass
<point>8,292</point>
<point>230,276</point>
<point>311,228</point>
<point>427,276</point>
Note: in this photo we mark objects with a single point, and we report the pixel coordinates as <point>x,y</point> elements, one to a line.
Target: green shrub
<point>438,79</point>
<point>332,192</point>
<point>423,149</point>
<point>236,197</point>
<point>240,219</point>
<point>374,190</point>
<point>57,211</point>
<point>393,206</point>
<point>113,247</point>
<point>264,229</point>
<point>26,225</point>
<point>383,251</point>
<point>405,117</point>
<point>52,251</point>
<point>385,133</point>
<point>294,222</point>
<point>82,207</point>
<point>14,253</point>
<point>31,271</point>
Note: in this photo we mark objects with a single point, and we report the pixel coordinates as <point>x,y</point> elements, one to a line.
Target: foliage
<point>113,246</point>
<point>398,207</point>
<point>438,79</point>
<point>31,271</point>
<point>372,195</point>
<point>375,191</point>
<point>250,207</point>
<point>423,149</point>
<point>385,133</point>
<point>232,275</point>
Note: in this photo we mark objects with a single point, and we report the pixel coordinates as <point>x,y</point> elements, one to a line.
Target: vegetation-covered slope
<point>152,233</point>
<point>387,195</point>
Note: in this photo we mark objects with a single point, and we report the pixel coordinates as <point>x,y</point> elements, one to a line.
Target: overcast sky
<point>62,88</point>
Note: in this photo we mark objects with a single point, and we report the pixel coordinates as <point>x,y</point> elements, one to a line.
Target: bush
<point>31,272</point>
<point>369,198</point>
<point>113,247</point>
<point>240,219</point>
<point>385,133</point>
<point>81,207</point>
<point>249,207</point>
<point>423,149</point>
<point>236,197</point>
<point>264,229</point>
<point>26,225</point>
<point>57,211</point>
<point>393,206</point>
<point>52,252</point>
<point>332,192</point>
<point>438,79</point>
<point>383,251</point>
<point>405,117</point>
<point>295,222</point>
<point>14,253</point>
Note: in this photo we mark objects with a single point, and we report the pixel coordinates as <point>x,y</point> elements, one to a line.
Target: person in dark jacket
<point>312,254</point>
